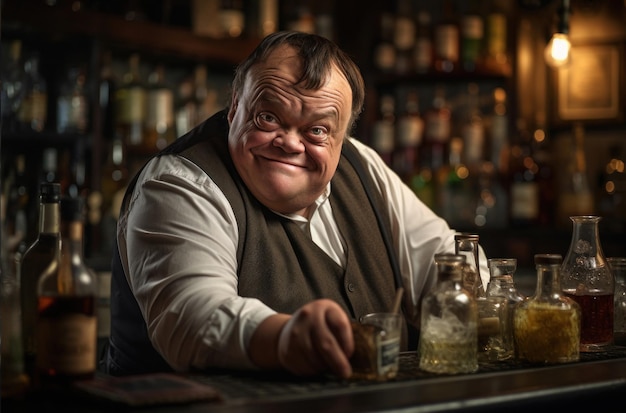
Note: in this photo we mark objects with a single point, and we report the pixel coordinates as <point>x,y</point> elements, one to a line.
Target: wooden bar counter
<point>597,381</point>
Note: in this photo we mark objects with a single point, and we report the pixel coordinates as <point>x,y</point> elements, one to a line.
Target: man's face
<point>286,141</point>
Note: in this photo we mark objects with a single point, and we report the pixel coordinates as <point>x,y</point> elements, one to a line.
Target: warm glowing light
<point>557,51</point>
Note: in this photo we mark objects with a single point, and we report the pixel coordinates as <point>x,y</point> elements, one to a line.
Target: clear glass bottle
<point>467,245</point>
<point>618,268</point>
<point>501,284</point>
<point>384,130</point>
<point>66,308</point>
<point>12,88</point>
<point>587,279</point>
<point>547,325</point>
<point>30,265</point>
<point>448,335</point>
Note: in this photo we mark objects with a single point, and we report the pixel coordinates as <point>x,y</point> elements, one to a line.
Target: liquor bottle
<point>159,128</point>
<point>547,325</point>
<point>12,87</point>
<point>404,37</point>
<point>30,265</point>
<point>455,193</point>
<point>66,316</point>
<point>496,39</point>
<point>423,52</point>
<point>33,111</point>
<point>448,335</point>
<point>16,199</point>
<point>575,196</point>
<point>186,108</point>
<point>14,381</point>
<point>499,145</point>
<point>542,155</point>
<point>523,186</point>
<point>409,131</point>
<point>587,279</point>
<point>472,36</point>
<point>206,96</point>
<point>115,177</point>
<point>446,41</point>
<point>232,17</point>
<point>72,103</point>
<point>130,106</point>
<point>384,50</point>
<point>384,130</point>
<point>473,130</point>
<point>106,97</point>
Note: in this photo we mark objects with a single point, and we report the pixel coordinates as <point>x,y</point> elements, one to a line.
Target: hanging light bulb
<point>557,52</point>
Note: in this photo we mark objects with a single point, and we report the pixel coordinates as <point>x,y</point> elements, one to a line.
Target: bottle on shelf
<point>186,108</point>
<point>523,186</point>
<point>33,262</point>
<point>472,37</point>
<point>232,18</point>
<point>384,130</point>
<point>66,315</point>
<point>107,84</point>
<point>33,110</point>
<point>13,380</point>
<point>499,145</point>
<point>575,196</point>
<point>404,37</point>
<point>496,35</point>
<point>16,204</point>
<point>384,50</point>
<point>12,87</point>
<point>542,155</point>
<point>587,279</point>
<point>159,128</point>
<point>448,335</point>
<point>130,106</point>
<point>423,52</point>
<point>206,96</point>
<point>455,192</point>
<point>409,132</point>
<point>115,176</point>
<point>547,325</point>
<point>492,205</point>
<point>446,40</point>
<point>73,103</point>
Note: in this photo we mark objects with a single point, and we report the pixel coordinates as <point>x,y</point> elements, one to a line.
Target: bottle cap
<point>548,259</point>
<point>50,192</point>
<point>72,208</point>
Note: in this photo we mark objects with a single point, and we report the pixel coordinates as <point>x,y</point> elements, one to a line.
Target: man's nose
<point>290,140</point>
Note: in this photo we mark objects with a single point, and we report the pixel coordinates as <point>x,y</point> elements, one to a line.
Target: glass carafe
<point>587,279</point>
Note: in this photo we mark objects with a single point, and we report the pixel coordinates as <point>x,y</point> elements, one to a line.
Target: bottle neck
<point>548,280</point>
<point>49,218</point>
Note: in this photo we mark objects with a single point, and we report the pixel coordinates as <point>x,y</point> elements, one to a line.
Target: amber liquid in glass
<point>596,330</point>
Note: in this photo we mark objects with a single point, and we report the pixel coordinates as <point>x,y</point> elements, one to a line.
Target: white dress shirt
<point>178,245</point>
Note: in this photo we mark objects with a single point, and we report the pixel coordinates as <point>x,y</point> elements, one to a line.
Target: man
<point>255,239</point>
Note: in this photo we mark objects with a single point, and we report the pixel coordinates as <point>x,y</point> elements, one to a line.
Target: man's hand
<point>315,339</point>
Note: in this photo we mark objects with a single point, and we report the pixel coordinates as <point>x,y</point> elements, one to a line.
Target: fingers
<point>317,339</point>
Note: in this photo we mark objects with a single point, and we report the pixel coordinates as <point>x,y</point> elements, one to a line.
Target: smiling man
<point>253,241</point>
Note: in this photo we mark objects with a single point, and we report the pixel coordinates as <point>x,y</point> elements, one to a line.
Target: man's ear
<point>233,108</point>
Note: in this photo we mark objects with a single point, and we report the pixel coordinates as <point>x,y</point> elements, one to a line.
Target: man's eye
<point>266,122</point>
<point>318,132</point>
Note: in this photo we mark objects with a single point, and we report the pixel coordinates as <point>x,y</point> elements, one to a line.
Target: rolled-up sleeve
<point>178,244</point>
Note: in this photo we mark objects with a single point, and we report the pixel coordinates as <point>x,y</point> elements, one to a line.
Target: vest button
<point>351,287</point>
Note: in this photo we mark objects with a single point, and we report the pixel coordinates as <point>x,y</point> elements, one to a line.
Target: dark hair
<point>317,54</point>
